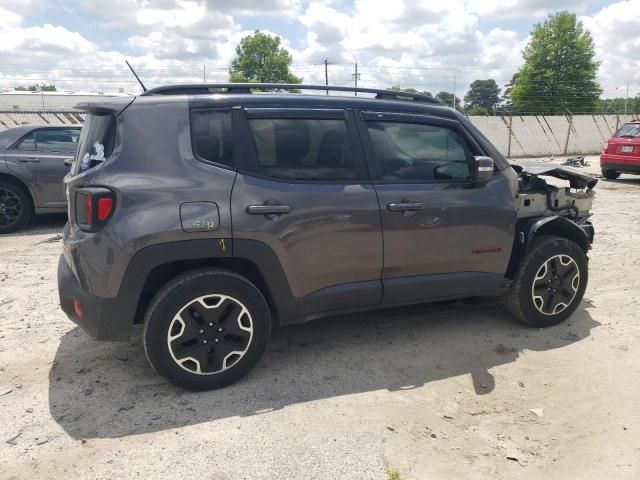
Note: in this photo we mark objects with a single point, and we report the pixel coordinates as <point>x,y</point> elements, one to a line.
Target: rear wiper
<point>627,136</point>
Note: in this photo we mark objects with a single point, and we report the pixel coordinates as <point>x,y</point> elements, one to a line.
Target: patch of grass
<point>393,473</point>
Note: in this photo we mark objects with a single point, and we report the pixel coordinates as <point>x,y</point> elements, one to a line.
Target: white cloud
<point>617,43</point>
<point>520,9</point>
<point>417,43</point>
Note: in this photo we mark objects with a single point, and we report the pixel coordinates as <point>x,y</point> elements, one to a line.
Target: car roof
<point>284,100</point>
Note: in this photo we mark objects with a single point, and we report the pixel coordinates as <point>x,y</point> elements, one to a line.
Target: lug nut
<point>211,324</point>
<point>220,329</point>
<point>205,341</point>
<point>216,340</point>
<point>200,331</point>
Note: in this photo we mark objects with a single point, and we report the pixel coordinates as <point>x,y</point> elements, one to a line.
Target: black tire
<point>610,174</point>
<point>16,208</point>
<point>185,360</point>
<point>533,299</point>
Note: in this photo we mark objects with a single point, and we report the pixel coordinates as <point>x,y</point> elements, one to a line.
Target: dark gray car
<point>209,213</point>
<point>33,162</point>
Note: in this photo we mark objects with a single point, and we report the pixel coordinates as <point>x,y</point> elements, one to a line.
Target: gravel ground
<point>432,392</point>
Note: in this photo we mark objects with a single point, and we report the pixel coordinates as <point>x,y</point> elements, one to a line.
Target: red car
<point>622,153</point>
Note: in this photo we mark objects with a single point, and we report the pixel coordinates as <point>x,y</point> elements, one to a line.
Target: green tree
<point>616,106</point>
<point>397,88</point>
<point>477,111</point>
<point>261,58</point>
<point>483,94</point>
<point>559,71</point>
<point>446,98</point>
<point>37,88</point>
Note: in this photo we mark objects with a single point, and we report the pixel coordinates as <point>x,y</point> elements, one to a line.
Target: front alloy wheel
<point>550,282</point>
<point>555,284</point>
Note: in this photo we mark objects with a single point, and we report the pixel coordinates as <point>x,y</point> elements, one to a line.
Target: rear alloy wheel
<point>15,207</point>
<point>206,329</point>
<point>210,334</point>
<point>610,174</point>
<point>550,283</point>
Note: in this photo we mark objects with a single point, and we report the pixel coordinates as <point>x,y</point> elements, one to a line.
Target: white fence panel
<point>534,136</point>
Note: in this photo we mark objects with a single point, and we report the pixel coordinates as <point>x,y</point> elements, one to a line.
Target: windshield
<point>630,130</point>
<point>96,142</point>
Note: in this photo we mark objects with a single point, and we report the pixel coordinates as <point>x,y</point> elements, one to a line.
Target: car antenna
<point>144,89</point>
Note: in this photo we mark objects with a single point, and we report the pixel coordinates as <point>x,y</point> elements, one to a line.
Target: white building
<point>21,101</point>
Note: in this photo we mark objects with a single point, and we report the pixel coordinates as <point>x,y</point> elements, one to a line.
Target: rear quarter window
<point>96,143</point>
<point>212,136</point>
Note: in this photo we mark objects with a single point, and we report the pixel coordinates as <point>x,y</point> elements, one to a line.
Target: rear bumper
<point>102,318</point>
<point>620,163</point>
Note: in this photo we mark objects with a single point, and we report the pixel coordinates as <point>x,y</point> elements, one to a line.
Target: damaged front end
<point>537,198</point>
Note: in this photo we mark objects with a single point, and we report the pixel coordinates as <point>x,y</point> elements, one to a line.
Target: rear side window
<point>96,143</point>
<point>27,143</point>
<point>212,136</point>
<point>302,149</point>
<point>417,152</point>
<point>57,139</point>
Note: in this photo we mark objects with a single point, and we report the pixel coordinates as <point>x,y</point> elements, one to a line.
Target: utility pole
<point>626,99</point>
<point>326,72</point>
<point>356,77</point>
<point>204,74</point>
<point>454,92</point>
<point>42,97</point>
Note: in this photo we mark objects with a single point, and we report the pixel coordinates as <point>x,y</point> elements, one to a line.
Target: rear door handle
<point>29,160</point>
<point>268,209</point>
<point>405,206</point>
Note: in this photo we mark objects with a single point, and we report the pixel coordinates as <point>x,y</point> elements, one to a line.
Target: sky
<point>428,45</point>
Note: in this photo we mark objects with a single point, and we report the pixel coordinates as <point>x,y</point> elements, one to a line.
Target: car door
<point>39,158</point>
<point>303,191</point>
<point>444,235</point>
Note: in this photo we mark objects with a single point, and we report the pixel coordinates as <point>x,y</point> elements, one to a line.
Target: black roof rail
<point>237,88</point>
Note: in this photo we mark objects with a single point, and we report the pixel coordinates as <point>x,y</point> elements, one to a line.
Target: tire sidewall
<point>27,207</point>
<point>181,291</point>
<point>542,249</point>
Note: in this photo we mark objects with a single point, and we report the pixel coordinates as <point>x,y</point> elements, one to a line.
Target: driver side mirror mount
<point>483,169</point>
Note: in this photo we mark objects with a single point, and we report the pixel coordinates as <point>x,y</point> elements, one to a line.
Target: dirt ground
<point>432,392</point>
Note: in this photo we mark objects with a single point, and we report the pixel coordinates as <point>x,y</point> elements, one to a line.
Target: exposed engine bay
<point>537,198</point>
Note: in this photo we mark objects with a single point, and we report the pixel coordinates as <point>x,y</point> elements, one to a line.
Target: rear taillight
<point>94,207</point>
<point>105,206</point>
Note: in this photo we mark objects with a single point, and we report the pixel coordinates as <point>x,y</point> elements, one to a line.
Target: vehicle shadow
<point>43,224</point>
<point>108,390</point>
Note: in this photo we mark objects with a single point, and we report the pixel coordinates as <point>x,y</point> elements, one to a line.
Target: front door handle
<point>268,209</point>
<point>405,206</point>
<point>29,160</point>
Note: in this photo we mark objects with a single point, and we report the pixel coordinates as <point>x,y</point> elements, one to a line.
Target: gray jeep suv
<point>208,213</point>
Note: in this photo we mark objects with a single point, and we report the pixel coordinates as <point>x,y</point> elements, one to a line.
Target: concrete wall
<point>540,136</point>
<point>513,136</point>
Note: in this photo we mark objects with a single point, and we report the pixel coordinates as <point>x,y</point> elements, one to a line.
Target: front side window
<point>57,140</point>
<point>416,152</point>
<point>302,149</point>
<point>212,136</point>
